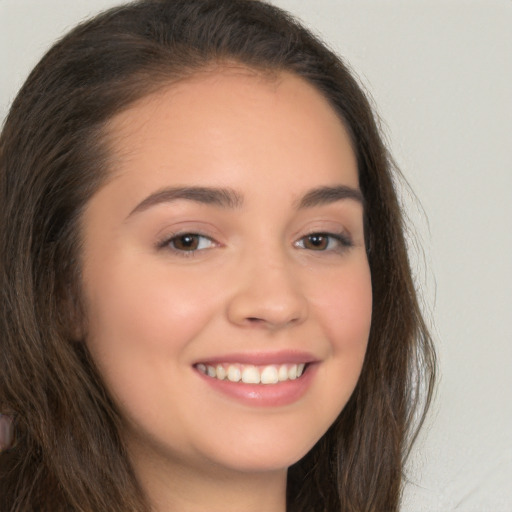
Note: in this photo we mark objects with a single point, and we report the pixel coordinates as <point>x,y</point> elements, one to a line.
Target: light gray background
<point>440,75</point>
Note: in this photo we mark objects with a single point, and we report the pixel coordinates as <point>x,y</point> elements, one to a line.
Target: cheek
<point>140,326</point>
<point>342,311</point>
<point>345,309</point>
<point>144,305</point>
<point>140,330</point>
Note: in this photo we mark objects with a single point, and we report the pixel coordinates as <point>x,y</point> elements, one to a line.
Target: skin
<point>256,283</point>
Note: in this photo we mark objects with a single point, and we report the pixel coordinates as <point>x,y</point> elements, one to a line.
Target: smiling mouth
<point>253,374</point>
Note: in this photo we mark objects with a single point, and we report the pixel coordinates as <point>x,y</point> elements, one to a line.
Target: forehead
<point>225,123</point>
<point>250,98</point>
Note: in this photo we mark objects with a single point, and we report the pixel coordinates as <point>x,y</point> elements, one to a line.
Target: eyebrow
<point>229,198</point>
<point>223,197</point>
<point>327,195</point>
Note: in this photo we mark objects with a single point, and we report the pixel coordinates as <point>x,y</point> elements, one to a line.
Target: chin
<point>256,454</point>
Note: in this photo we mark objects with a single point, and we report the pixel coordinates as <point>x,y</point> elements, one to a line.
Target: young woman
<point>206,297</point>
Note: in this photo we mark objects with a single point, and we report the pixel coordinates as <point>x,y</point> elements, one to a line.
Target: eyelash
<point>342,240</point>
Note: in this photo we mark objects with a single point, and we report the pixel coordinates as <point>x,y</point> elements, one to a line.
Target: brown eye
<point>186,242</point>
<point>316,242</point>
<point>325,242</point>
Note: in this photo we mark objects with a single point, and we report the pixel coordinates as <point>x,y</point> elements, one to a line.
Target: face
<point>225,274</point>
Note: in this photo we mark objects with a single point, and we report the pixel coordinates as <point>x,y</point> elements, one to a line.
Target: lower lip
<point>264,395</point>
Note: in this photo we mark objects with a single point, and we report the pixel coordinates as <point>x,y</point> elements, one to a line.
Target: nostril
<point>254,320</point>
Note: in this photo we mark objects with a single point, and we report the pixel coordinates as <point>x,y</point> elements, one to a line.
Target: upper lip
<point>262,358</point>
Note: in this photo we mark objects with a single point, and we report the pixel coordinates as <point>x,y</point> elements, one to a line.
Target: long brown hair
<point>54,155</point>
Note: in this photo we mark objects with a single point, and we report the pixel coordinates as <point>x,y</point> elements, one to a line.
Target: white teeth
<point>234,373</point>
<point>251,374</point>
<point>283,373</point>
<point>269,375</point>
<point>221,372</point>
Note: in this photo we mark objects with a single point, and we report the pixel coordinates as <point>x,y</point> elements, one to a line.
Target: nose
<point>267,294</point>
